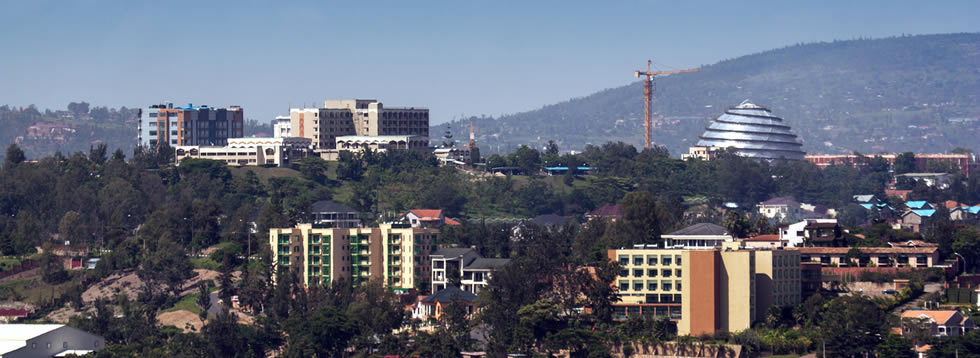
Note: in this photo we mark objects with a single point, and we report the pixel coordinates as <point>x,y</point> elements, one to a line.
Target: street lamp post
<point>964,260</point>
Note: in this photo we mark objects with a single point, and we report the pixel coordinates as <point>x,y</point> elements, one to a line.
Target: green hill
<point>910,93</point>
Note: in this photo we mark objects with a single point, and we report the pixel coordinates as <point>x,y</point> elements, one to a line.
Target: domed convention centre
<point>752,131</point>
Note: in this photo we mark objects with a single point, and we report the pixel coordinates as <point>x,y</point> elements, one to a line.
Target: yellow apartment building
<point>397,254</point>
<point>705,290</point>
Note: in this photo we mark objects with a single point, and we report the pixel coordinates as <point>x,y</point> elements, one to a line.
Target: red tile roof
<point>941,317</point>
<point>452,222</point>
<point>427,214</point>
<point>607,211</point>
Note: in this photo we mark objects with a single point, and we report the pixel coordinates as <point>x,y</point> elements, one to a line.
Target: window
<point>667,286</point>
<point>677,273</point>
<point>637,260</point>
<point>677,259</point>
<point>637,285</point>
<point>651,285</point>
<point>652,260</point>
<point>64,344</point>
<point>665,260</point>
<point>624,273</point>
<point>624,286</point>
<point>677,285</point>
<point>652,272</point>
<point>623,260</point>
<point>637,273</point>
<point>666,273</point>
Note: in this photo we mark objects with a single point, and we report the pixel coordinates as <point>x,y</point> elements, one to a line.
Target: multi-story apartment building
<point>280,152</point>
<point>398,255</point>
<point>191,125</point>
<point>473,271</point>
<point>705,290</point>
<point>965,163</point>
<point>357,117</point>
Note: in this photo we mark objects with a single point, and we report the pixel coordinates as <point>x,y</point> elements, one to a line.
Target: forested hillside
<point>910,93</point>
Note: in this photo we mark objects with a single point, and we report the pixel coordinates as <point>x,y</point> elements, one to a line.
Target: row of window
<point>651,260</point>
<point>649,285</point>
<point>651,272</point>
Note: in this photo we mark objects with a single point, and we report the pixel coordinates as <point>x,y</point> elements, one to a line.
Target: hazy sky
<point>454,57</point>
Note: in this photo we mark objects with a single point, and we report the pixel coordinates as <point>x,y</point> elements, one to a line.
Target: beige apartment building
<point>397,254</point>
<point>357,117</point>
<point>705,290</point>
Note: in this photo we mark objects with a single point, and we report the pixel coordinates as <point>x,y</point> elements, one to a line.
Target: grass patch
<point>188,302</point>
<point>34,290</point>
<point>205,263</point>
<point>264,173</point>
<point>6,263</point>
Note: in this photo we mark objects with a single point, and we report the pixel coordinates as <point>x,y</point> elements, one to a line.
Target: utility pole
<point>648,97</point>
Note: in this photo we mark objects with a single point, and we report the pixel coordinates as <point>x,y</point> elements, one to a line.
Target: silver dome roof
<point>753,132</point>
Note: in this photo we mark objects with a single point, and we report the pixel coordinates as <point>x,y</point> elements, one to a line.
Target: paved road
<point>926,290</point>
<point>216,305</point>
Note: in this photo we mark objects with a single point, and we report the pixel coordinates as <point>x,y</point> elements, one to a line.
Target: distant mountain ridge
<point>911,93</point>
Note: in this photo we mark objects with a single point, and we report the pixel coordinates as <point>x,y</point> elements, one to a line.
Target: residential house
<point>866,199</point>
<point>427,218</point>
<point>918,204</point>
<point>812,232</point>
<point>46,340</point>
<point>939,323</point>
<point>938,180</point>
<point>466,265</point>
<point>780,208</point>
<point>434,306</point>
<point>916,219</point>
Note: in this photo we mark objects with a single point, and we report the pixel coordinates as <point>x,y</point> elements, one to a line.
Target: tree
<point>165,264</point>
<point>78,108</point>
<point>640,217</point>
<point>895,346</point>
<point>325,333</point>
<point>552,147</point>
<point>14,156</point>
<point>350,166</point>
<point>70,227</point>
<point>736,224</point>
<point>225,280</point>
<point>496,161</point>
<point>98,153</point>
<point>851,326</point>
<point>853,215</point>
<point>203,299</point>
<point>474,155</point>
<point>904,163</point>
<point>52,268</point>
<point>527,160</point>
<point>966,242</point>
<point>314,169</point>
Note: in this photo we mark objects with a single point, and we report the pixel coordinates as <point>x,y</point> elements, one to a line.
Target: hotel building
<point>396,254</point>
<point>191,125</point>
<point>706,290</point>
<point>357,117</point>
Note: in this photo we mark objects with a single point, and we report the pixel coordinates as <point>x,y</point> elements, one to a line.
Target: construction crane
<point>472,142</point>
<point>648,97</point>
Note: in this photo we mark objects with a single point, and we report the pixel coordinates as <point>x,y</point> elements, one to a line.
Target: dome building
<point>753,132</point>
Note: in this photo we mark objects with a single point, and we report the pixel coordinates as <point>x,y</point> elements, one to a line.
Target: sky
<point>457,58</point>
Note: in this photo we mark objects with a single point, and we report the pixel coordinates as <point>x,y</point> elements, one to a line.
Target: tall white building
<point>281,127</point>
